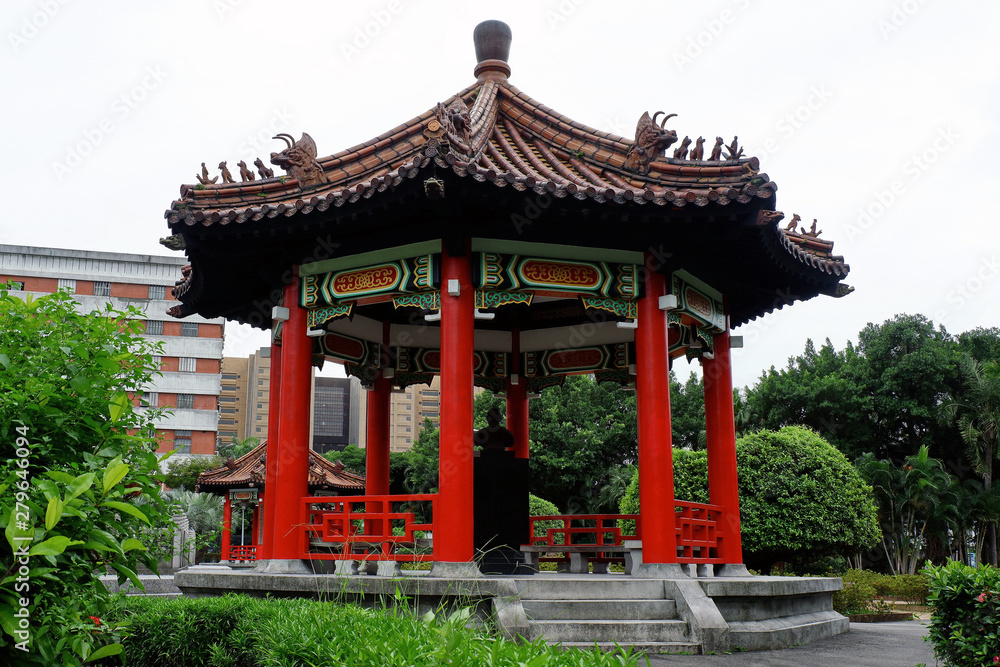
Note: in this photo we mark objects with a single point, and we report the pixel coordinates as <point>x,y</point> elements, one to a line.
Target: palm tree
<point>977,413</point>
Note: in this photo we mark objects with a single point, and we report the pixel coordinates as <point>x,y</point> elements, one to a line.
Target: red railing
<point>698,539</point>
<point>579,529</point>
<point>362,527</point>
<point>243,552</point>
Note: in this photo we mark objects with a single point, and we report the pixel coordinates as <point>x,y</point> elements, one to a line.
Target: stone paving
<point>897,644</point>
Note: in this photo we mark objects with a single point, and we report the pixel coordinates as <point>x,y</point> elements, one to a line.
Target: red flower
<point>996,658</point>
<point>96,620</point>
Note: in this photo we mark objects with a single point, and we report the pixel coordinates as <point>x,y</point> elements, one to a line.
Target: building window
<point>257,429</point>
<point>17,285</point>
<point>189,329</point>
<point>102,288</point>
<point>150,399</point>
<point>227,399</point>
<point>260,406</point>
<point>182,442</point>
<point>230,376</point>
<point>157,361</point>
<point>185,401</point>
<point>154,327</point>
<point>228,411</point>
<point>68,283</point>
<point>260,394</point>
<point>186,364</point>
<point>226,421</point>
<point>157,292</point>
<point>260,383</point>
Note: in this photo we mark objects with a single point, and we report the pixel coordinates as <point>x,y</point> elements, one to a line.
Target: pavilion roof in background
<point>248,471</point>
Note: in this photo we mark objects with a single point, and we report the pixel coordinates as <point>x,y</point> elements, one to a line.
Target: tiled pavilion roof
<point>249,471</point>
<point>493,133</point>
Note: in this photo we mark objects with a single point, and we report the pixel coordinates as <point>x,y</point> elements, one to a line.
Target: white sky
<point>877,117</point>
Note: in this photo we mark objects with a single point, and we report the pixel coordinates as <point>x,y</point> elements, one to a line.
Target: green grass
<point>238,631</point>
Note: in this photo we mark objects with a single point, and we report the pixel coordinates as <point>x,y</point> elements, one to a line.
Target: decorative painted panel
<point>419,360</point>
<point>319,316</point>
<point>578,360</point>
<point>701,307</point>
<point>350,350</point>
<point>618,307</point>
<point>494,271</point>
<point>402,276</point>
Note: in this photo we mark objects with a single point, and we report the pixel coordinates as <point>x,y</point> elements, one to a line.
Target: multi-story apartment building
<point>408,409</point>
<point>233,406</point>
<point>191,350</point>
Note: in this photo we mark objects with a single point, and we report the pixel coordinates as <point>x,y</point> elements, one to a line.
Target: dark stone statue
<point>493,438</point>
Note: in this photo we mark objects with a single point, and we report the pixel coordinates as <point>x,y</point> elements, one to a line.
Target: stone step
<point>589,587</point>
<point>650,648</point>
<point>591,631</point>
<point>625,609</point>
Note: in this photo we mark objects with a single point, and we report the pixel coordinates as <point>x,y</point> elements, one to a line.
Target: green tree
<point>422,460</point>
<point>183,473</point>
<point>78,458</point>
<point>237,447</point>
<point>580,432</point>
<point>914,499</point>
<point>977,412</point>
<point>687,412</point>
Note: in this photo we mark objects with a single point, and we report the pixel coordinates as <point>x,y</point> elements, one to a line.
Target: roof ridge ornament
<point>651,141</point>
<point>299,160</point>
<point>492,39</point>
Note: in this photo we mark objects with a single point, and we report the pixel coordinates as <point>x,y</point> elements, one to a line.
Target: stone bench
<point>580,555</point>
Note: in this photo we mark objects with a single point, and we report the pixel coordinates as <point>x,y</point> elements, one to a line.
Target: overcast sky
<point>876,117</point>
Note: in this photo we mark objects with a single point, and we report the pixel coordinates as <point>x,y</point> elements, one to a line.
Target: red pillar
<point>720,431</point>
<point>227,528</point>
<point>453,525</point>
<point>291,481</point>
<point>652,383</point>
<point>377,447</point>
<point>271,464</point>
<point>517,400</point>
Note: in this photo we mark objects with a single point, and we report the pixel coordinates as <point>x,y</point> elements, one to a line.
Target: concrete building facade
<point>191,350</point>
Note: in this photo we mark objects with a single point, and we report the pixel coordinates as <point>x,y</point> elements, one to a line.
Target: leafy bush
<point>965,621</point>
<point>799,496</point>
<point>79,476</point>
<point>800,499</point>
<point>236,631</point>
<point>541,507</point>
<point>856,597</point>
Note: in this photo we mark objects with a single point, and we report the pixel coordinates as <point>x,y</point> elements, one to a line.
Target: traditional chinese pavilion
<point>497,243</point>
<point>241,482</point>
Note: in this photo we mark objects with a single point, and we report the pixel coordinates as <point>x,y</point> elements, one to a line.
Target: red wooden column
<point>517,400</point>
<point>271,464</point>
<point>227,528</point>
<point>453,525</point>
<point>291,482</point>
<point>720,431</point>
<point>652,396</point>
<point>377,447</point>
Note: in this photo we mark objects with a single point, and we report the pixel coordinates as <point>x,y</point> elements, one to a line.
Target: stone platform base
<point>718,613</point>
